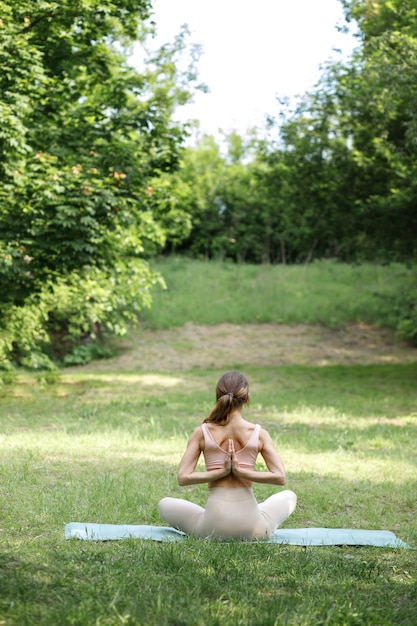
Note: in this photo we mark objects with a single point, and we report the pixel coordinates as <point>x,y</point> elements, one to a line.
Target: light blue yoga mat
<point>293,536</point>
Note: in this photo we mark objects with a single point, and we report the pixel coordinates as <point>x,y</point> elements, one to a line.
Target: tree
<point>384,121</point>
<point>348,149</point>
<point>83,135</point>
<point>201,172</point>
<point>335,176</point>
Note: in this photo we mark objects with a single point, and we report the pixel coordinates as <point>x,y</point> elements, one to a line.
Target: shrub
<point>71,318</point>
<point>407,324</point>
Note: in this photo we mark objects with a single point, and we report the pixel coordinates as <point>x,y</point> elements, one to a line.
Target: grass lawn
<point>324,292</point>
<point>101,443</point>
<point>104,448</point>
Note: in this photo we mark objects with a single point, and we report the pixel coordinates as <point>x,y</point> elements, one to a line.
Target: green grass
<point>324,292</point>
<point>104,447</point>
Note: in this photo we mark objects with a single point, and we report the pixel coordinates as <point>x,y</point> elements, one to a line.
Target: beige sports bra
<point>215,456</point>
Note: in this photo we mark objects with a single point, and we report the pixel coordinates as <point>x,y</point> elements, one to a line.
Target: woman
<point>230,446</point>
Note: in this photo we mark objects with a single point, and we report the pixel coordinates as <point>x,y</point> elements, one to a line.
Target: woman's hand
<point>186,471</point>
<point>228,461</point>
<point>276,471</point>
<point>226,470</point>
<point>235,469</point>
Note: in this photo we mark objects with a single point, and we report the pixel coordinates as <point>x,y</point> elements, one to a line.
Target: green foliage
<point>72,316</point>
<point>83,136</point>
<point>349,147</point>
<point>333,175</point>
<point>95,133</point>
<point>202,171</point>
<point>407,325</point>
<point>23,336</point>
<point>169,202</point>
<point>224,200</point>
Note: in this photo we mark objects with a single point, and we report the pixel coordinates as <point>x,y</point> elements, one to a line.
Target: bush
<point>407,325</point>
<point>70,320</point>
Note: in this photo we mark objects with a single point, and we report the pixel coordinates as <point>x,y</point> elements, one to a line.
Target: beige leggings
<point>229,514</point>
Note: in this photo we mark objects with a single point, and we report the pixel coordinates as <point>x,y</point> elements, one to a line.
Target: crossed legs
<point>180,514</point>
<point>188,517</point>
<point>275,510</point>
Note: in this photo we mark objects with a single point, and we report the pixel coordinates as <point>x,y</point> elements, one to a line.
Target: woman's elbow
<point>182,480</point>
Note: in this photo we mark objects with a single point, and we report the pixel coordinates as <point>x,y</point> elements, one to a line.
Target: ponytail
<point>232,391</point>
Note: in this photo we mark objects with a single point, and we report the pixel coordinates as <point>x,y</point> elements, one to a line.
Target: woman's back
<point>215,447</point>
<point>239,430</point>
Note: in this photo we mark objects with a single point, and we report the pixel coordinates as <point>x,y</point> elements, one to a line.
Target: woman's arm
<point>186,471</point>
<point>276,474</point>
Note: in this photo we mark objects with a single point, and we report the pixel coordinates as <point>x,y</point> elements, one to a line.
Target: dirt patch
<point>228,345</point>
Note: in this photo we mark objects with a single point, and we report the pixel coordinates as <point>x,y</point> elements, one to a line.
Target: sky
<point>252,53</point>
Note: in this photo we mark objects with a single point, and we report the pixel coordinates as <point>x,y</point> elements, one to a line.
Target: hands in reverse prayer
<point>231,463</point>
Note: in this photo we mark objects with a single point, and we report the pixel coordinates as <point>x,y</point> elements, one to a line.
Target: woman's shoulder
<point>244,430</point>
<point>251,425</point>
<point>264,436</point>
<point>197,433</point>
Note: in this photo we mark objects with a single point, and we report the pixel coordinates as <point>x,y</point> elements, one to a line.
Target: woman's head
<point>232,391</point>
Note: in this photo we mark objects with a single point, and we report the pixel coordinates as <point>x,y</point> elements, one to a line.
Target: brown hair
<point>232,391</point>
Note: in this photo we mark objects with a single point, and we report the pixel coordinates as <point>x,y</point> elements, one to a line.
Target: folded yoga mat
<point>294,536</point>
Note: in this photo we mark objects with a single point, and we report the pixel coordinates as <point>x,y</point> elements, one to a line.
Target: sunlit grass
<point>100,446</point>
<point>324,292</point>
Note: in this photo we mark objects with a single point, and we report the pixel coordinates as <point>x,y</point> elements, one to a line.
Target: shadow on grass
<point>378,440</point>
<point>198,582</point>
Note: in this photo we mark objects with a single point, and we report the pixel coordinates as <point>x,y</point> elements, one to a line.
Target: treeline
<point>95,179</point>
<point>334,175</point>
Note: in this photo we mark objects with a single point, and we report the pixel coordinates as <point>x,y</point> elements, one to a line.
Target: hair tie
<point>229,393</point>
